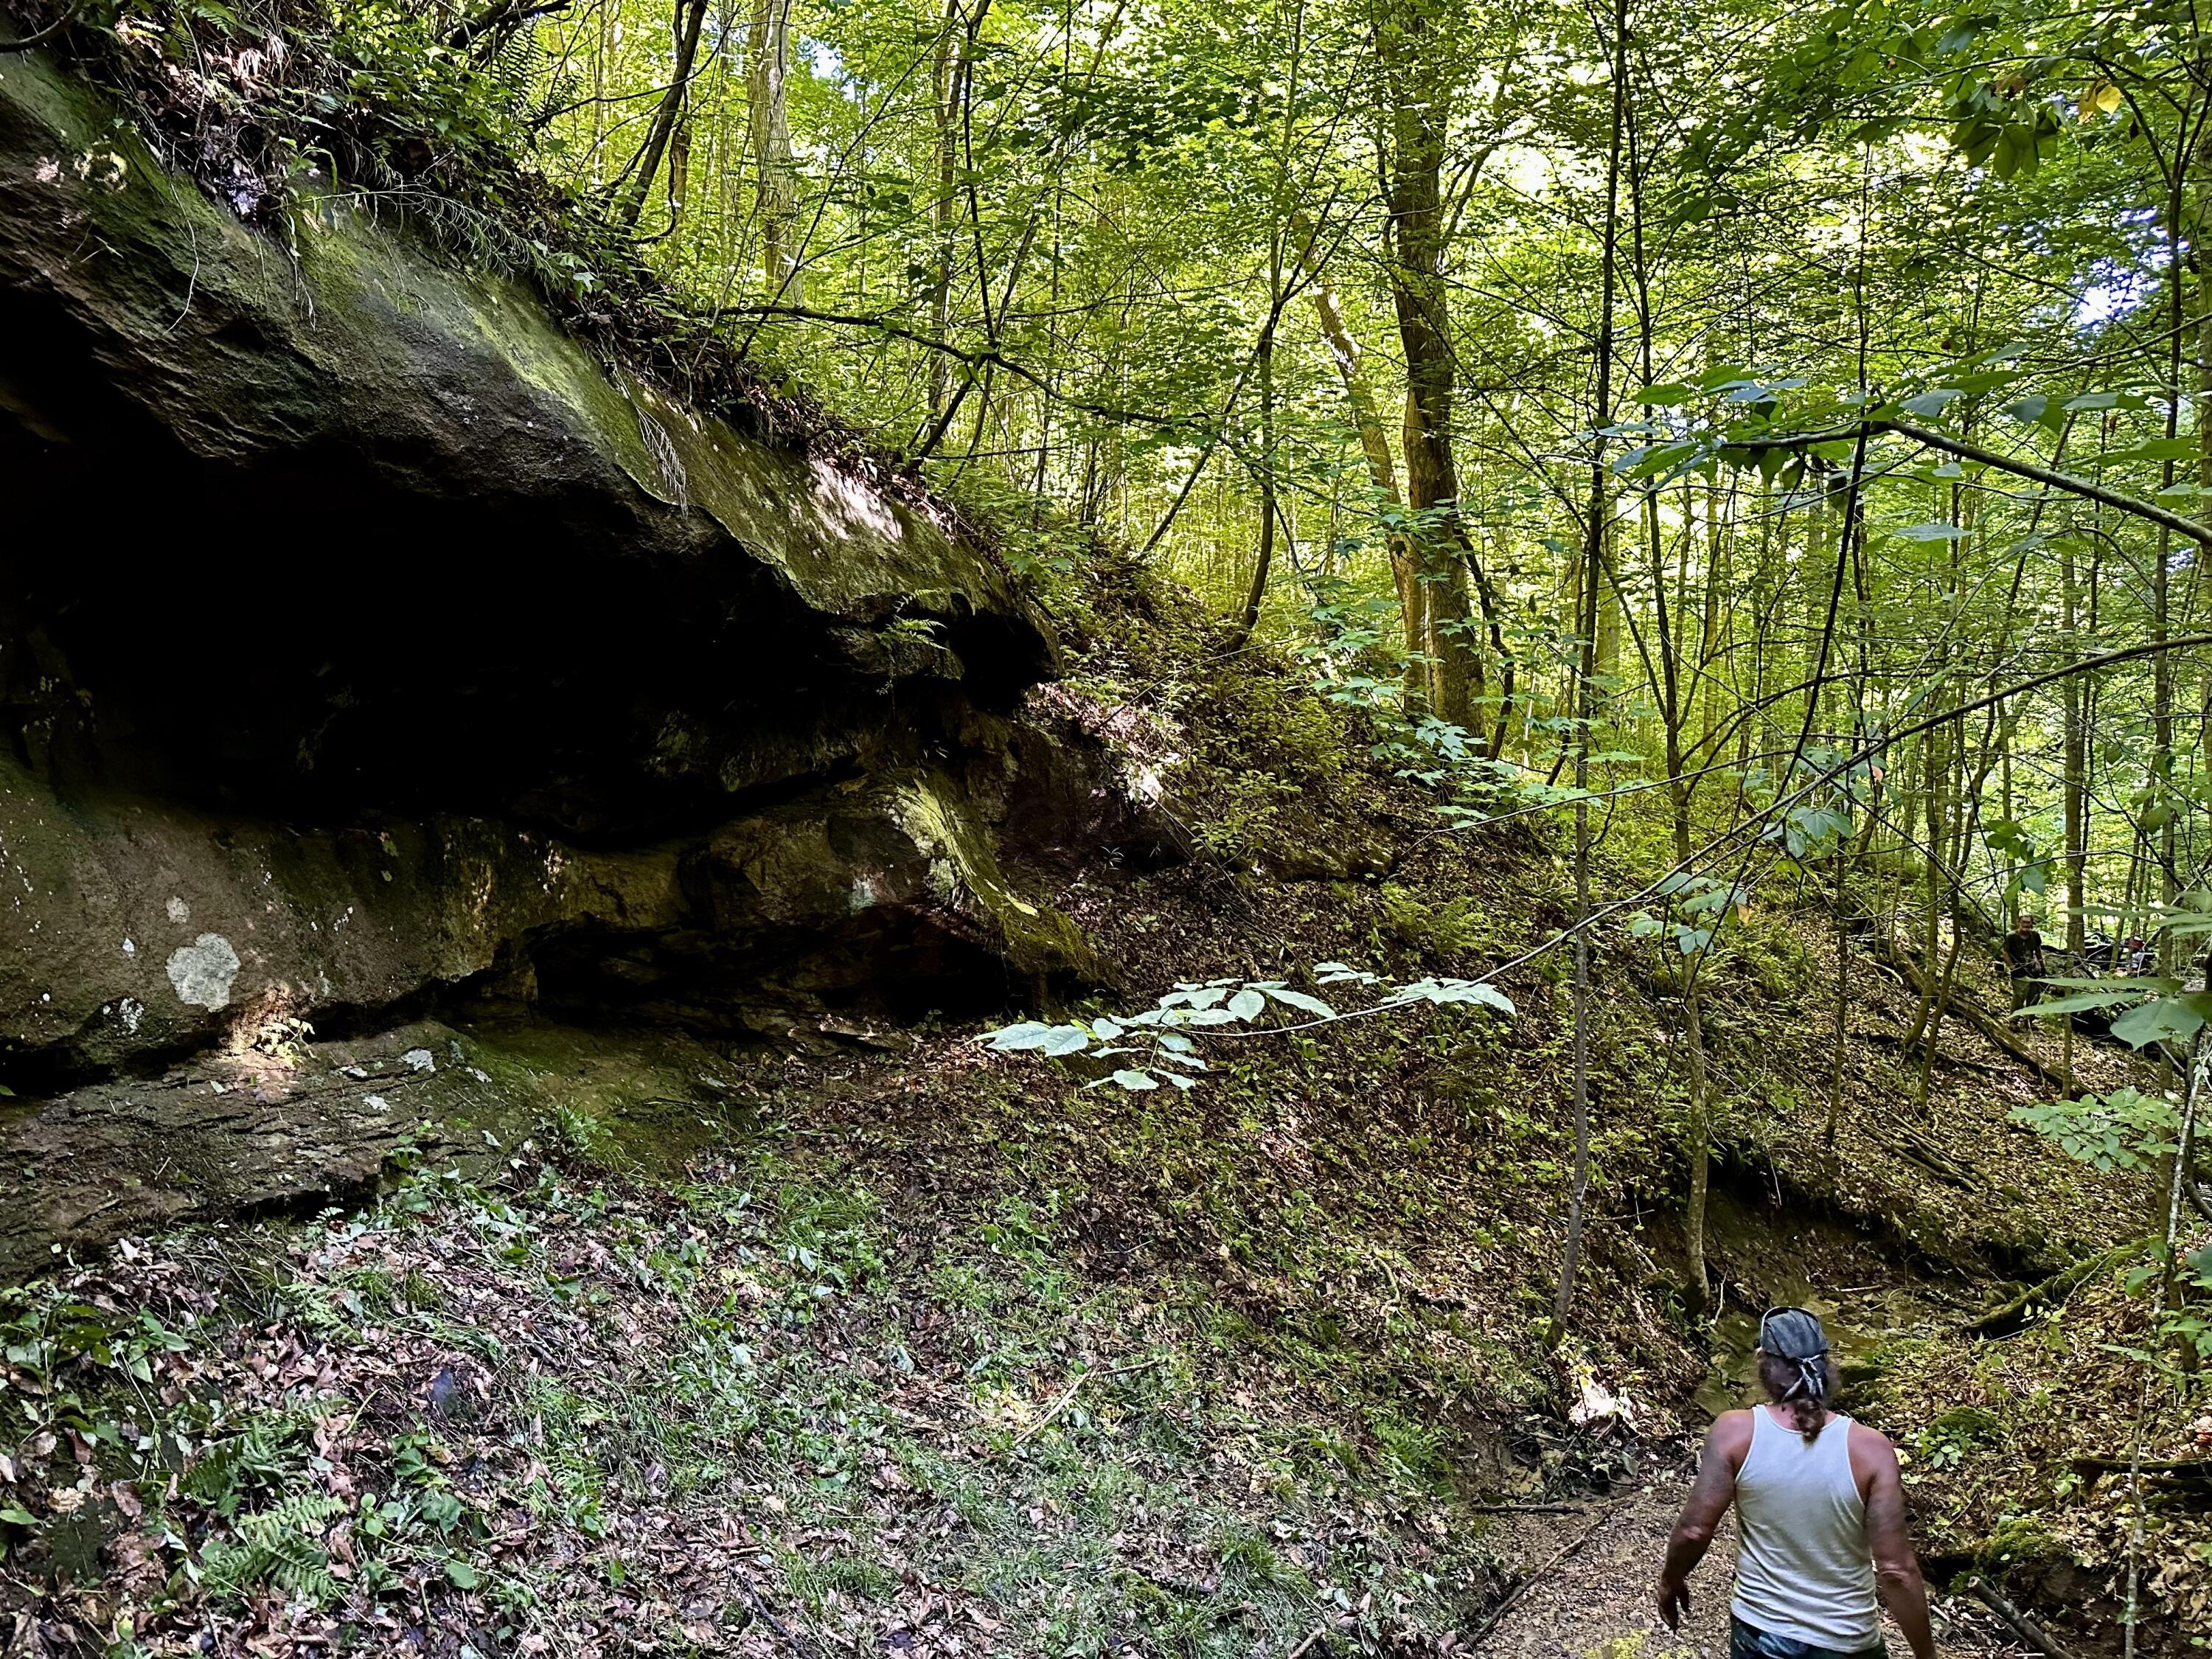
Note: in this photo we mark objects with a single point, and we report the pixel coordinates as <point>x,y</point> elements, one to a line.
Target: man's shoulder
<point>1731,1433</point>
<point>1871,1448</point>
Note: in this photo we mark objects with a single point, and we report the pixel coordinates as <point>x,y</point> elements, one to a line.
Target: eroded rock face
<point>306,527</point>
<point>367,648</point>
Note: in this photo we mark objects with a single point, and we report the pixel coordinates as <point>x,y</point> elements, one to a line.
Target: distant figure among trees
<point>2022,951</point>
<point>1820,1508</point>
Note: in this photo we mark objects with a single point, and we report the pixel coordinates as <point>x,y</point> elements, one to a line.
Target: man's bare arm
<point>1714,1490</point>
<point>1896,1568</point>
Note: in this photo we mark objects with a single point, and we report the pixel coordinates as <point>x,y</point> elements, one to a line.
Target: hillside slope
<point>859,1337</point>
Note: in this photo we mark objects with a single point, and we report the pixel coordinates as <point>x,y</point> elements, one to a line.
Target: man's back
<point>1822,1533</point>
<point>1804,1570</point>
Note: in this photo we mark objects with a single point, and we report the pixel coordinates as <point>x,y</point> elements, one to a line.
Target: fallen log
<point>2011,1316</point>
<point>1885,949</point>
<point>2189,1474</point>
<point>2022,1625</point>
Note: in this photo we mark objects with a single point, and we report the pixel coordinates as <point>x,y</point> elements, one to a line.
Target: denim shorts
<point>1746,1642</point>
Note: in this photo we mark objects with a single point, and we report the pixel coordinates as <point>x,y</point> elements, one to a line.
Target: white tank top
<point>1803,1569</point>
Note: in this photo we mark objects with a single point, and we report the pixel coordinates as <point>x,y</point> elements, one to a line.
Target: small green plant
<point>1434,932</point>
<point>1153,1045</point>
<point>259,1459</point>
<point>281,1546</point>
<point>1947,1440</point>
<point>2122,1130</point>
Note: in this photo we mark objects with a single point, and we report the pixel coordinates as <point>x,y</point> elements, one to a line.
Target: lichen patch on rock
<point>203,972</point>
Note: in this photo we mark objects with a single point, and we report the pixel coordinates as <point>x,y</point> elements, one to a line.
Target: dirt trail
<point>1598,1600</point>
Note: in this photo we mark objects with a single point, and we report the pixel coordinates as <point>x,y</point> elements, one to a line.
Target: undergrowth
<point>561,1409</point>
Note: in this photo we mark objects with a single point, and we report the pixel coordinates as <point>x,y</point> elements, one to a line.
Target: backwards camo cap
<point>1792,1333</point>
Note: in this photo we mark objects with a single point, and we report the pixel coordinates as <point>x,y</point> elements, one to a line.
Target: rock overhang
<point>333,519</point>
<point>367,642</point>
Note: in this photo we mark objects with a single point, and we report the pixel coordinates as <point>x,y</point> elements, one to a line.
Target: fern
<point>280,1547</point>
<point>265,1455</point>
<point>515,66</point>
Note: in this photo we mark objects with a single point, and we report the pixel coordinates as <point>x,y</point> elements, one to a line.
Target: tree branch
<point>40,37</point>
<point>2050,477</point>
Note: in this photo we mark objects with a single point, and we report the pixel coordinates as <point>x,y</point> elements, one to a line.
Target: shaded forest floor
<point>872,1342</point>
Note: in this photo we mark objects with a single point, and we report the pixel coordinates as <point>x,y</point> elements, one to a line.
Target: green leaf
<point>1248,1004</point>
<point>2140,985</point>
<point>2153,449</point>
<point>2076,1005</point>
<point>1301,1001</point>
<point>2167,1017</point>
<point>1666,395</point>
<point>1931,403</point>
<point>463,1575</point>
<point>15,1517</point>
<point>1136,1082</point>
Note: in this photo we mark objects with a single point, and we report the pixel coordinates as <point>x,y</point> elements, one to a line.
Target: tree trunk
<point>940,210</point>
<point>690,16</point>
<point>1249,618</point>
<point>1419,90</point>
<point>1591,583</point>
<point>1382,472</point>
<point>1701,1145</point>
<point>2076,761</point>
<point>777,191</point>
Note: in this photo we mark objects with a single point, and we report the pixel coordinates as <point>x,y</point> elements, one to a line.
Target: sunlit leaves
<point>2121,1130</point>
<point>1155,1048</point>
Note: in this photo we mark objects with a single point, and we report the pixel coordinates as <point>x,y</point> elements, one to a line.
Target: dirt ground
<point>1598,1600</point>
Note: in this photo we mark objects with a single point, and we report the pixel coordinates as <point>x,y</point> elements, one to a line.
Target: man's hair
<point>1794,1367</point>
<point>1805,1386</point>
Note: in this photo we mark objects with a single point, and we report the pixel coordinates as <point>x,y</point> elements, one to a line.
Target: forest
<point>950,827</point>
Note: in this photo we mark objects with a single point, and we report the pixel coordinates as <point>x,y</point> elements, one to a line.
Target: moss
<point>1967,1425</point>
<point>359,328</point>
<point>964,873</point>
<point>2018,1539</point>
<point>644,1102</point>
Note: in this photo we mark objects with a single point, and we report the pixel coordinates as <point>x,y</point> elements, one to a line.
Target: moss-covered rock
<point>371,646</point>
<point>311,522</point>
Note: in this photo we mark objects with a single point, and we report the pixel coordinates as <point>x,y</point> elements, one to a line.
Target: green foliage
<point>1696,906</point>
<point>1155,1047</point>
<point>1438,932</point>
<point>261,1458</point>
<point>2121,1130</point>
<point>1947,1440</point>
<point>279,1547</point>
<point>431,106</point>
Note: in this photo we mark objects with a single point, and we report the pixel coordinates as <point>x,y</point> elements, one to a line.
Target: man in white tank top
<point>1819,1514</point>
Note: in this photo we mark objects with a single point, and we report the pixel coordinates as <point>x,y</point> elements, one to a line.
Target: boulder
<point>333,521</point>
<point>370,650</point>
